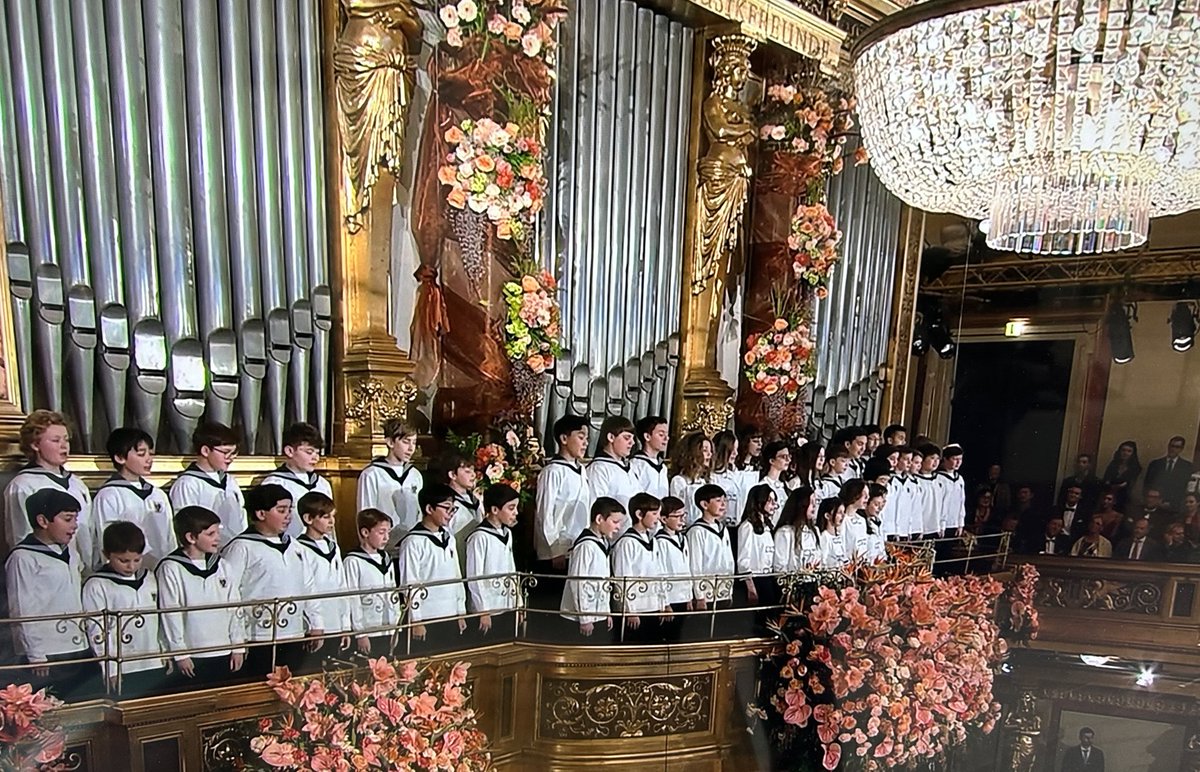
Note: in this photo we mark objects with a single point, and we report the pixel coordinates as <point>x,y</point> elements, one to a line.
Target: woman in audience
<point>1122,472</point>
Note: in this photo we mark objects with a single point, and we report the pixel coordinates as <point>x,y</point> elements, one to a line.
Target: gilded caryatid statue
<point>724,173</point>
<point>373,60</point>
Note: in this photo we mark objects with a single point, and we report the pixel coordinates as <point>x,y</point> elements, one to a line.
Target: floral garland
<point>393,716</point>
<point>525,25</point>
<point>28,740</point>
<point>813,246</point>
<point>512,459</point>
<point>1022,623</point>
<point>803,119</point>
<point>496,171</point>
<point>885,674</point>
<point>782,360</point>
<point>532,329</point>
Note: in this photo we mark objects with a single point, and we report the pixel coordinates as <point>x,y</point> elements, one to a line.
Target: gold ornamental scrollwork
<point>634,707</point>
<point>373,64</point>
<point>710,417</point>
<point>372,401</point>
<point>723,172</point>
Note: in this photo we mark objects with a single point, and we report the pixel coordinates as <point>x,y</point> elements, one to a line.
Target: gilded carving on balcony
<point>1132,597</point>
<point>372,400</point>
<point>226,747</point>
<point>634,707</point>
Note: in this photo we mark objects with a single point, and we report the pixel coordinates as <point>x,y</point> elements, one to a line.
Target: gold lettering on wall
<point>780,22</point>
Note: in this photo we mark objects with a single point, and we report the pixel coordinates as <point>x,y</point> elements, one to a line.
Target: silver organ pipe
<point>292,178</point>
<point>622,113</point>
<point>264,66</point>
<point>135,211</point>
<point>162,175</point>
<point>241,191</point>
<point>856,315</point>
<point>66,193</point>
<point>211,235</point>
<point>19,279</point>
<point>101,207</point>
<point>33,156</point>
<point>314,206</point>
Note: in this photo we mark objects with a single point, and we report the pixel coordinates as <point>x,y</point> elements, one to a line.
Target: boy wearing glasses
<point>207,483</point>
<point>428,560</point>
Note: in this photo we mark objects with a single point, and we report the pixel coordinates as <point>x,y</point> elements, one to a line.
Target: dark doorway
<point>1010,401</point>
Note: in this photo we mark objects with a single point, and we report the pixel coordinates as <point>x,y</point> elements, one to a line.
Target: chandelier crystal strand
<point>1069,124</point>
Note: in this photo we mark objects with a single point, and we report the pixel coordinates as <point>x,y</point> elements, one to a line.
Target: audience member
<point>1169,474</point>
<point>1085,478</point>
<point>1093,544</point>
<point>1140,546</point>
<point>1122,472</point>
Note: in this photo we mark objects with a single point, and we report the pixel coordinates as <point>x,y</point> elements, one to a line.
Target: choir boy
<point>953,490</point>
<point>587,593</point>
<point>46,444</point>
<point>677,566</point>
<point>391,483</point>
<point>298,473</point>
<point>829,485</point>
<point>268,565</point>
<point>874,440</point>
<point>43,578</point>
<point>490,554</point>
<point>902,489</point>
<point>323,562</point>
<point>896,435</point>
<point>649,465</point>
<point>207,482</point>
<point>195,575</point>
<point>611,473</point>
<point>710,551</point>
<point>927,498</point>
<point>124,588</point>
<point>129,496</point>
<point>428,556</point>
<point>637,571</point>
<point>373,617</point>
<point>563,496</point>
<point>460,475</point>
<point>855,440</point>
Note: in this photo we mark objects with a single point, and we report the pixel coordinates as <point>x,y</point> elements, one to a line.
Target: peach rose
<point>781,324</point>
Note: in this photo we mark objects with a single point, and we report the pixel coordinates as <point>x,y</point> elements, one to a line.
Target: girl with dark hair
<point>750,445</point>
<point>690,465</point>
<point>756,545</point>
<point>797,541</point>
<point>775,461</point>
<point>829,526</point>
<point>1123,471</point>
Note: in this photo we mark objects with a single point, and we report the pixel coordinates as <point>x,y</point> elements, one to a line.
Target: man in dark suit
<point>1140,546</point>
<point>1074,512</point>
<point>1054,541</point>
<point>1084,757</point>
<point>1169,474</point>
<point>1085,477</point>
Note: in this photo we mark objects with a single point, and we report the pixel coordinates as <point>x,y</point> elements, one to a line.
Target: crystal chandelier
<point>1069,124</point>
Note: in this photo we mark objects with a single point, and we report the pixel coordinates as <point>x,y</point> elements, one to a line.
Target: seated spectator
<point>1073,512</point>
<point>1093,544</point>
<point>1113,519</point>
<point>1054,541</point>
<point>1157,512</point>
<point>1140,546</point>
<point>1190,516</point>
<point>981,517</point>
<point>1176,547</point>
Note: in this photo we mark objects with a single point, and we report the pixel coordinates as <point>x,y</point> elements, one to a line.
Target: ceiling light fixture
<point>1120,331</point>
<point>1067,124</point>
<point>1183,326</point>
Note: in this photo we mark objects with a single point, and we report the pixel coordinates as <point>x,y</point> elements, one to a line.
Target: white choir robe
<point>564,504</point>
<point>890,517</point>
<point>833,550</point>
<point>927,502</point>
<point>650,475</point>
<point>490,554</point>
<point>711,558</point>
<point>31,478</point>
<point>43,580</point>
<point>373,614</point>
<point>323,560</point>
<point>863,541</point>
<point>587,593</point>
<point>733,482</point>
<point>392,489</point>
<point>637,573</point>
<point>755,551</point>
<point>908,519</point>
<point>141,503</point>
<point>828,487</point>
<point>218,492</point>
<point>614,478</point>
<point>184,583</point>
<point>953,500</point>
<point>791,557</point>
<point>685,490</point>
<point>778,487</point>
<point>298,484</point>
<point>676,566</point>
<point>431,556</point>
<point>266,568</point>
<point>127,596</point>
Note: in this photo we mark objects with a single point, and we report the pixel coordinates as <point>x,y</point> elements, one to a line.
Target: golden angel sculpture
<point>373,61</point>
<point>724,173</point>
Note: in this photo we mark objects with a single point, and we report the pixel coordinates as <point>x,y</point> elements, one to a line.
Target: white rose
<point>467,10</point>
<point>778,132</point>
<point>454,37</point>
<point>520,13</point>
<point>449,16</point>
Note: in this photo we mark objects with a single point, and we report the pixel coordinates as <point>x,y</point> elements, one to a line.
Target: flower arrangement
<point>531,328</point>
<point>804,120</point>
<point>521,25</point>
<point>28,740</point>
<point>513,458</point>
<point>886,674</point>
<point>393,716</point>
<point>1021,623</point>
<point>813,243</point>
<point>782,360</point>
<point>495,171</point>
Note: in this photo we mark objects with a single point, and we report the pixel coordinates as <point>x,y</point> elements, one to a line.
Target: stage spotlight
<point>920,339</point>
<point>1120,333</point>
<point>940,339</point>
<point>1183,326</point>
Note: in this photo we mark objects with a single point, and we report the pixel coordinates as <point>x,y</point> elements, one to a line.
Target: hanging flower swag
<point>888,672</point>
<point>781,361</point>
<point>531,331</point>
<point>813,244</point>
